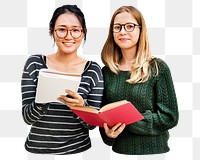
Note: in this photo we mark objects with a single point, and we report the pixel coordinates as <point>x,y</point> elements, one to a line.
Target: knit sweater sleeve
<point>31,111</point>
<point>166,114</point>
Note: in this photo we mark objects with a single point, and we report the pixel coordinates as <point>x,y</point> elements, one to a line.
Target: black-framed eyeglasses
<point>63,32</point>
<point>129,27</point>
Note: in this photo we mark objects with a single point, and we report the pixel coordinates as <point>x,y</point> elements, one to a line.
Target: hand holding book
<point>71,99</point>
<point>114,131</point>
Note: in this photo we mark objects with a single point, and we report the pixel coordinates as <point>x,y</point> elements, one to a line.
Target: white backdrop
<point>174,33</point>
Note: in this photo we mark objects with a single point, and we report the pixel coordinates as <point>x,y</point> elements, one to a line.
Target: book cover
<point>113,113</point>
<point>51,84</point>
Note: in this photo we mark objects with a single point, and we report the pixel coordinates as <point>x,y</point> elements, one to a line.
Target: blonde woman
<point>131,73</point>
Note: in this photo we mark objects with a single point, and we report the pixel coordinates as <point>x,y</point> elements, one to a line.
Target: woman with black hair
<point>54,127</point>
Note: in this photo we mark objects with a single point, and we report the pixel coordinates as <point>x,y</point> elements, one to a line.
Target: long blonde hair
<point>111,54</point>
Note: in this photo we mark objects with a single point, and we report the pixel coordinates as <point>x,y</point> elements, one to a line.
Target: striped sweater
<point>54,127</point>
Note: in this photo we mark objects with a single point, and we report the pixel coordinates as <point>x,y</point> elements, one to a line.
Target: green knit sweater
<point>155,99</point>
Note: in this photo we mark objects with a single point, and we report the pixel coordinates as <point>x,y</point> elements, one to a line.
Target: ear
<point>51,31</point>
<point>83,34</point>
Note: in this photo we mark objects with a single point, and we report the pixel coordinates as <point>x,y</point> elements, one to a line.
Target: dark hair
<point>68,9</point>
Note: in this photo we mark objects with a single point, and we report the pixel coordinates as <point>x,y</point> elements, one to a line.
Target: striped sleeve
<point>30,111</point>
<point>95,95</point>
<point>91,88</point>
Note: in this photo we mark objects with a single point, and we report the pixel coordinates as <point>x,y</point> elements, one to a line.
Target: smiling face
<point>67,22</point>
<point>126,40</point>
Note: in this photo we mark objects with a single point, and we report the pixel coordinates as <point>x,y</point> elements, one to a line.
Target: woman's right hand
<point>114,131</point>
<point>72,99</point>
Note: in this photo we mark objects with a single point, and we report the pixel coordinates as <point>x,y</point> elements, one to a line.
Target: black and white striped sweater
<point>55,129</point>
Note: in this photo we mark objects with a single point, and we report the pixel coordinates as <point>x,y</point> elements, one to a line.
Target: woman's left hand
<point>114,131</point>
<point>72,100</point>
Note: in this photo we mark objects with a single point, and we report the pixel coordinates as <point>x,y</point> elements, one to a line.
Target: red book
<point>113,113</point>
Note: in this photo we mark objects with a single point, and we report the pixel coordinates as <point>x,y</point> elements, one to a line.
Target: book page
<point>85,108</point>
<point>113,105</point>
<point>54,73</point>
<point>61,76</point>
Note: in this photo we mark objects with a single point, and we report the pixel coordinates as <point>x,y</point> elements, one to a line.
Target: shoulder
<point>35,58</point>
<point>93,69</point>
<point>33,61</point>
<point>91,65</point>
<point>105,69</point>
<point>160,67</point>
<point>95,65</point>
<point>107,72</point>
<point>161,64</point>
<point>92,74</point>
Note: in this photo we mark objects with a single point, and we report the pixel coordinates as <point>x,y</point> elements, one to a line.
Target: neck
<point>128,57</point>
<point>66,62</point>
<point>66,58</point>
